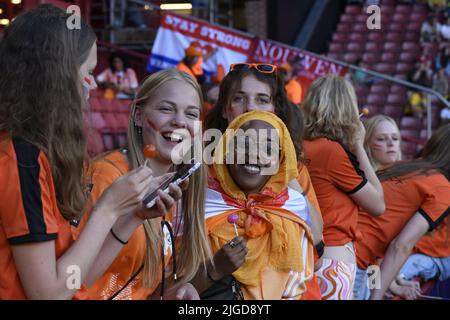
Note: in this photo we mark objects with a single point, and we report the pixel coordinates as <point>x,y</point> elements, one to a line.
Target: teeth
<point>173,137</point>
<point>252,168</point>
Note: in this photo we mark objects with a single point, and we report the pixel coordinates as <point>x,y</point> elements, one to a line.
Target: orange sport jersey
<point>427,194</point>
<point>102,173</point>
<point>335,175</point>
<point>294,91</point>
<point>436,243</point>
<point>28,209</point>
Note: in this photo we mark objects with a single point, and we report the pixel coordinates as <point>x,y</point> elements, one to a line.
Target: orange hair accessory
<point>193,51</point>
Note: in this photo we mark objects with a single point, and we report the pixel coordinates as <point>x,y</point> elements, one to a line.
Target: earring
<point>139,130</point>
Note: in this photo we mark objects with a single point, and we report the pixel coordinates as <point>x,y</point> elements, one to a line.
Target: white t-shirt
<point>445,31</point>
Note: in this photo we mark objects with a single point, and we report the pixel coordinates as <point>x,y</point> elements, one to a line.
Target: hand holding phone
<point>182,174</point>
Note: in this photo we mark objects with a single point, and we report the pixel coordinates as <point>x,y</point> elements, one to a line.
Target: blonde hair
<point>331,110</point>
<point>370,125</point>
<point>194,249</point>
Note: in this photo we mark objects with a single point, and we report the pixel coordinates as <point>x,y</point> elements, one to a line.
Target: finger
<point>238,240</point>
<point>160,205</point>
<point>175,191</point>
<point>166,199</point>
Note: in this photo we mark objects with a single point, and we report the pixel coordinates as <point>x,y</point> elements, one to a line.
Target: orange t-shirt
<point>435,244</point>
<point>196,70</point>
<point>304,180</point>
<point>427,194</point>
<point>102,174</point>
<point>335,174</point>
<point>294,91</point>
<point>28,209</point>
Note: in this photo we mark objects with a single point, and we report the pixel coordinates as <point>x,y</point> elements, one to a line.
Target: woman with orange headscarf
<point>272,217</point>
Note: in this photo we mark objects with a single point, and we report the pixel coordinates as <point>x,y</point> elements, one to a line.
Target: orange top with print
<point>103,172</point>
<point>294,91</point>
<point>335,175</point>
<point>436,244</point>
<point>28,209</point>
<point>427,194</point>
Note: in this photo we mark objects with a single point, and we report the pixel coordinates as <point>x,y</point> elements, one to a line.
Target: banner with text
<point>177,32</point>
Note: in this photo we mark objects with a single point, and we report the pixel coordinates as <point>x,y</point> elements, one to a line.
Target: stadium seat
<point>399,17</point>
<point>361,89</point>
<point>401,76</point>
<point>97,121</point>
<point>355,47</point>
<point>396,27</point>
<point>404,67</point>
<point>374,110</point>
<point>387,9</point>
<point>417,17</point>
<point>376,99</point>
<point>404,9</point>
<point>408,57</point>
<point>353,9</point>
<point>398,89</point>
<point>370,58</point>
<point>376,36</point>
<point>347,18</point>
<point>359,28</point>
<point>337,48</point>
<point>410,123</point>
<point>390,57</point>
<point>373,47</point>
<point>351,57</point>
<point>411,47</point>
<point>340,37</point>
<point>379,89</point>
<point>94,143</point>
<point>408,150</point>
<point>386,68</point>
<point>392,47</point>
<point>357,37</point>
<point>344,28</point>
<point>396,99</point>
<point>412,36</point>
<point>414,27</point>
<point>394,37</point>
<point>336,56</point>
<point>393,111</point>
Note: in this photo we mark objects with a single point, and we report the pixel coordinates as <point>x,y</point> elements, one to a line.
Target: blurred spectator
<point>126,14</point>
<point>192,62</point>
<point>445,116</point>
<point>417,104</point>
<point>422,74</point>
<point>440,83</point>
<point>293,88</point>
<point>442,60</point>
<point>359,76</point>
<point>119,80</point>
<point>430,31</point>
<point>445,30</point>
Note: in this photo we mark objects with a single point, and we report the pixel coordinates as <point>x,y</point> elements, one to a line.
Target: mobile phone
<point>182,174</point>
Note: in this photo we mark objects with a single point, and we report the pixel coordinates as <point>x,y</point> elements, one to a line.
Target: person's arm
<point>315,216</point>
<point>398,251</point>
<point>45,276</point>
<point>125,227</point>
<point>227,260</point>
<point>370,197</point>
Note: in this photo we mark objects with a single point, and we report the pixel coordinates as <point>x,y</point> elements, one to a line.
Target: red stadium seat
<point>97,121</point>
<point>344,27</point>
<point>96,104</point>
<point>376,100</point>
<point>393,111</point>
<point>353,9</point>
<point>376,36</point>
<point>359,28</point>
<point>410,123</point>
<point>400,17</point>
<point>355,47</point>
<point>405,9</point>
<point>370,57</point>
<point>94,143</point>
<point>347,18</point>
<point>396,27</point>
<point>361,90</point>
<point>423,134</point>
<point>337,48</point>
<point>361,18</point>
<point>340,37</point>
<point>418,17</point>
<point>398,89</point>
<point>122,122</point>
<point>392,47</point>
<point>374,110</point>
<point>394,37</point>
<point>387,9</point>
<point>396,99</point>
<point>412,36</point>
<point>357,37</point>
<point>390,57</point>
<point>408,150</point>
<point>374,47</point>
<point>414,26</point>
<point>404,67</point>
<point>111,121</point>
<point>336,56</point>
<point>386,68</point>
<point>409,133</point>
<point>420,8</point>
<point>411,47</point>
<point>409,56</point>
<point>351,57</point>
<point>379,89</point>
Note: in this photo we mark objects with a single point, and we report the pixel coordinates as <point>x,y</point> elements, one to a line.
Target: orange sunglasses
<point>261,67</point>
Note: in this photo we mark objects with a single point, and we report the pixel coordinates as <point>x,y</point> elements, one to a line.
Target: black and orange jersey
<point>28,208</point>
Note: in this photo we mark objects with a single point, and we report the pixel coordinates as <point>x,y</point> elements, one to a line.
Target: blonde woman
<point>163,115</point>
<point>382,141</point>
<point>342,176</point>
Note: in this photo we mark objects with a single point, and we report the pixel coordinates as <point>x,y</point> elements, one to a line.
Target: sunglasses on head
<point>261,67</point>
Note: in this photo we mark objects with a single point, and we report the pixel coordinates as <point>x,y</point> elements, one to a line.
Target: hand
<point>164,201</point>
<point>125,195</point>
<point>228,259</point>
<point>360,135</point>
<point>408,292</point>
<point>184,292</point>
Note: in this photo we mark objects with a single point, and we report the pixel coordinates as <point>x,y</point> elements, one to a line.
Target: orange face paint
<point>152,125</point>
<point>377,146</point>
<point>87,80</point>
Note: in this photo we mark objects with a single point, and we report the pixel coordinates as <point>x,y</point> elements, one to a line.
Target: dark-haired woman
<point>46,73</point>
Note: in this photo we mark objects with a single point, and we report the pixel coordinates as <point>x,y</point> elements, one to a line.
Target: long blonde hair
<point>194,249</point>
<point>331,110</point>
<point>370,125</point>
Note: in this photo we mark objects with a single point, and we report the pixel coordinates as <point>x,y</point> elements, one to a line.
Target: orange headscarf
<point>275,236</point>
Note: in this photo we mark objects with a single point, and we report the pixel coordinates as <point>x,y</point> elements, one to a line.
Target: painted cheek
<point>377,146</point>
<point>152,125</point>
<point>88,81</point>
